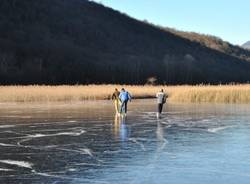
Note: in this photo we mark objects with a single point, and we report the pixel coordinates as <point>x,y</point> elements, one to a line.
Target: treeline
<point>82,42</point>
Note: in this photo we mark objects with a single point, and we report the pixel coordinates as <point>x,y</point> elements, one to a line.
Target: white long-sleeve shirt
<point>160,96</point>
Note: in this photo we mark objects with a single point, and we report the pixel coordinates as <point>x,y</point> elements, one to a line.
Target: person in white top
<point>161,99</point>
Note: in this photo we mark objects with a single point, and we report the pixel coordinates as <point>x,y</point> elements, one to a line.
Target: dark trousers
<point>124,107</point>
<point>160,106</point>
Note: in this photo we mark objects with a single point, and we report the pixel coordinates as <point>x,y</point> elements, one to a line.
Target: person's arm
<point>129,97</point>
<point>119,97</point>
<point>164,98</point>
<point>113,96</point>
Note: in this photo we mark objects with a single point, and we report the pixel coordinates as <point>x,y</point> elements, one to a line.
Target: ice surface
<point>17,163</point>
<point>87,143</point>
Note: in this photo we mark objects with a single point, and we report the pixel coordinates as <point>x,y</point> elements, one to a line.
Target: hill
<point>215,43</point>
<point>77,41</point>
<point>246,45</point>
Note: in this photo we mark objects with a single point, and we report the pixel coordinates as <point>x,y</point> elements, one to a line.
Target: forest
<point>55,42</point>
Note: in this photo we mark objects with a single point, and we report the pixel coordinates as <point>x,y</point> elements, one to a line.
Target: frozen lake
<point>86,143</point>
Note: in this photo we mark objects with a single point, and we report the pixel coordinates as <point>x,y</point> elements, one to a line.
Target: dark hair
<point>161,90</point>
<point>123,89</point>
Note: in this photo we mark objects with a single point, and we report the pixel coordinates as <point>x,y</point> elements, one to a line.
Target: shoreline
<point>230,94</point>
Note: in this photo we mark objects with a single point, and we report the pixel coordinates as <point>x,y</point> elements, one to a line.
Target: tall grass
<point>214,94</point>
<point>195,94</point>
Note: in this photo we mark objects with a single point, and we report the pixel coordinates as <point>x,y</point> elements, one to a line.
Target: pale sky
<point>227,19</point>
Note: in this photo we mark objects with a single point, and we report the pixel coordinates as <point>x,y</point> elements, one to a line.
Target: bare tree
<point>151,80</point>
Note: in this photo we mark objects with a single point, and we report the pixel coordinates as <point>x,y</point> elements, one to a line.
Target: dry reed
<point>194,94</point>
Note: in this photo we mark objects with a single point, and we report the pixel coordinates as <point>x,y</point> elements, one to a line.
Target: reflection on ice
<point>121,129</point>
<point>162,141</point>
<point>160,132</point>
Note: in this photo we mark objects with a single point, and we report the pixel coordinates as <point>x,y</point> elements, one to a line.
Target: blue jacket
<point>124,96</point>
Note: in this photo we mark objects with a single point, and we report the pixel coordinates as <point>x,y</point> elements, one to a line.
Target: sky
<point>227,19</point>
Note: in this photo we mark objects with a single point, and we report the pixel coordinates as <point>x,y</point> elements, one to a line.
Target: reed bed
<point>185,93</point>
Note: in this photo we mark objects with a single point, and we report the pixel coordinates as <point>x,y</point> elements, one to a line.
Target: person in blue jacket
<point>124,97</point>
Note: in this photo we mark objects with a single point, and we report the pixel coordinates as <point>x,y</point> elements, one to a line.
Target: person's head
<point>161,90</point>
<point>116,89</point>
<point>123,89</point>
